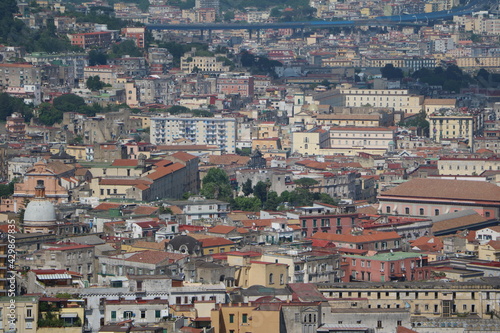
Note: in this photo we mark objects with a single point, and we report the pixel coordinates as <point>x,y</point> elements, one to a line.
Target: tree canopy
<point>216,185</point>
<point>392,73</point>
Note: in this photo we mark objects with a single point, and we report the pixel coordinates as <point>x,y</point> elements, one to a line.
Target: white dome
<point>40,211</point>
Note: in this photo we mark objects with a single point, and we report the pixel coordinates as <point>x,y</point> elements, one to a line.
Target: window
<point>143,314</point>
<point>282,279</point>
<point>353,262</point>
<point>231,318</point>
<point>486,214</point>
<point>379,323</point>
<point>271,278</point>
<point>436,212</point>
<point>304,223</point>
<point>29,313</point>
<point>128,314</point>
<point>421,211</point>
<point>157,313</point>
<point>407,210</point>
<point>244,318</point>
<point>388,209</point>
<point>113,315</point>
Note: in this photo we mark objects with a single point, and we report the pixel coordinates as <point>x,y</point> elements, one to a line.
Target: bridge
<point>394,20</point>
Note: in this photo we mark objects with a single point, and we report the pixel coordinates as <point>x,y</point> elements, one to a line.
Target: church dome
<point>40,211</point>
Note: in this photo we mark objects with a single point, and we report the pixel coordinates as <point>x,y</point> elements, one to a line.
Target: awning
<point>69,315</point>
<point>54,277</point>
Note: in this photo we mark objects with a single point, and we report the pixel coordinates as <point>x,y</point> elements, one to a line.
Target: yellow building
<point>310,142</point>
<point>435,104</point>
<point>478,62</point>
<point>489,251</point>
<point>24,310</point>
<point>245,318</point>
<point>204,64</point>
<point>454,124</point>
<point>146,120</point>
<point>362,120</point>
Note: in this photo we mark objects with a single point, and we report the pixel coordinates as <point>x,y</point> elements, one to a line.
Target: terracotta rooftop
<point>221,229</point>
<point>183,156</point>
<point>445,189</point>
<point>155,257</point>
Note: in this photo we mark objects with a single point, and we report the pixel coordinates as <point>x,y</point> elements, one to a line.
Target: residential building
<point>25,312</point>
<point>108,74</point>
<point>141,311</point>
<point>19,74</point>
<point>200,131</point>
<point>391,266</point>
<point>467,166</point>
<point>399,99</point>
<point>363,240</point>
<point>448,124</point>
<point>137,34</point>
<point>198,209</point>
<point>233,85</point>
<point>91,39</point>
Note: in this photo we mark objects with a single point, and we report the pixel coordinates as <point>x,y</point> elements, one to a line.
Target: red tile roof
<point>183,156</point>
<point>163,171</point>
<point>107,206</point>
<point>364,238</point>
<point>124,162</point>
<point>215,241</point>
<point>221,229</point>
<point>445,189</point>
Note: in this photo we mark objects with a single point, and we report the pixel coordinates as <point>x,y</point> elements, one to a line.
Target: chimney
<point>39,189</point>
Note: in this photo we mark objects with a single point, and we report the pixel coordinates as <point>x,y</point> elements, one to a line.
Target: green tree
<point>306,182</point>
<point>97,58</point>
<point>216,185</point>
<point>392,73</point>
<point>48,114</point>
<point>68,103</point>
<point>260,191</point>
<point>246,204</point>
<point>94,83</point>
<point>9,105</point>
<point>247,187</point>
<point>126,47</point>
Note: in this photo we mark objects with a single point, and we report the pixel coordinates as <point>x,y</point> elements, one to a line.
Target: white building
<point>200,131</point>
<point>488,234</point>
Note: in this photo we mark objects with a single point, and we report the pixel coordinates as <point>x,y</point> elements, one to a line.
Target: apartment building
<point>242,85</point>
<point>18,75</point>
<point>448,124</point>
<point>220,132</point>
<point>398,99</point>
<point>310,142</point>
<point>106,73</point>
<point>89,39</point>
<point>426,299</point>
<point>467,166</point>
<point>374,138</point>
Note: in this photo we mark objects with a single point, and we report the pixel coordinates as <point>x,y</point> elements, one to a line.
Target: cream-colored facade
<point>362,137</point>
<point>310,142</point>
<point>146,120</point>
<point>18,314</point>
<point>451,124</point>
<point>356,120</point>
<point>478,62</point>
<point>467,166</point>
<point>204,64</point>
<point>432,105</point>
<point>430,300</point>
<point>107,73</point>
<point>398,99</point>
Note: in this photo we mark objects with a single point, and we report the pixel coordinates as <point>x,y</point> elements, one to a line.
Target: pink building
<point>382,267</point>
<point>242,85</point>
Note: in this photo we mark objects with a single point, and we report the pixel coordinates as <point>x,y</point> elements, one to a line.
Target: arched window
<point>421,211</point>
<point>271,278</point>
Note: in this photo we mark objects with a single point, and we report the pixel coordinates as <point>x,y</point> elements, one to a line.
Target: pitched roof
<point>460,220</point>
<point>228,159</point>
<point>125,162</point>
<point>445,189</point>
<point>155,257</point>
<point>183,156</point>
<point>364,238</point>
<point>145,210</point>
<point>215,241</point>
<point>221,229</point>
<point>163,171</point>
